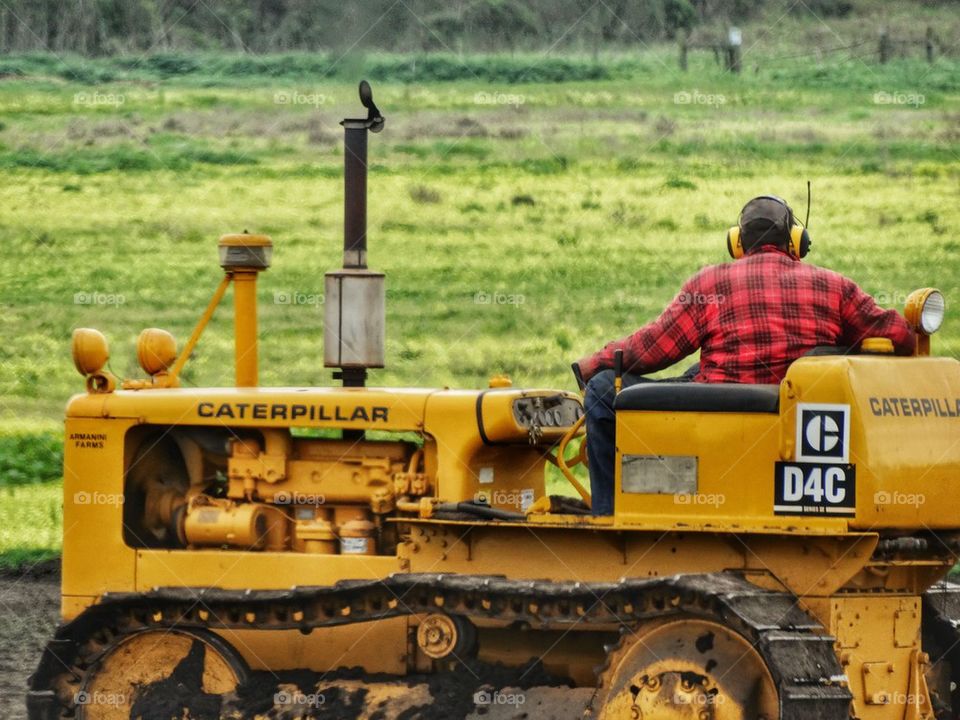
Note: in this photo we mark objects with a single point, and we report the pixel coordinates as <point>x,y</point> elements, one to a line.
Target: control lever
<point>617,371</point>
<point>578,376</point>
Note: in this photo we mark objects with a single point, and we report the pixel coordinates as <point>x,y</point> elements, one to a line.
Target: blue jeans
<point>601,433</point>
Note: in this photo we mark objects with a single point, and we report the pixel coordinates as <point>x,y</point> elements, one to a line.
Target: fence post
<point>683,51</point>
<point>929,42</point>
<point>884,47</point>
<point>734,41</point>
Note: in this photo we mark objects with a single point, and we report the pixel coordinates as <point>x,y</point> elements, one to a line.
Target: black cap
<point>765,220</point>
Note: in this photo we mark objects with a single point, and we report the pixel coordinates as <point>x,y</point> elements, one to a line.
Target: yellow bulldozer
<point>776,552</point>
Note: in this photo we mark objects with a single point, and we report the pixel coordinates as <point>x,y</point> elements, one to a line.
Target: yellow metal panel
<point>814,565</point>
<point>878,639</point>
<point>906,620</point>
<point>904,437</point>
<point>808,566</point>
<point>736,453</point>
<point>73,605</point>
<point>566,654</point>
<point>466,465</point>
<point>904,421</point>
<point>257,570</point>
<point>360,408</point>
<point>95,558</point>
<point>561,554</point>
<point>379,647</point>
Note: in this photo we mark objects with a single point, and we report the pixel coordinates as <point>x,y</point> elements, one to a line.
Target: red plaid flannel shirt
<point>752,318</point>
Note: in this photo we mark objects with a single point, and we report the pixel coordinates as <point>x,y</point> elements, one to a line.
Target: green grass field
<point>520,225</point>
<point>31,517</point>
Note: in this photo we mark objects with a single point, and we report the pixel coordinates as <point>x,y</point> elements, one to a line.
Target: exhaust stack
<point>354,300</point>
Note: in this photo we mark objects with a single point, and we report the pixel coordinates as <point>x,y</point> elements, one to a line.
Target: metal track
<point>796,649</point>
<point>799,653</point>
<point>941,639</point>
<point>941,607</point>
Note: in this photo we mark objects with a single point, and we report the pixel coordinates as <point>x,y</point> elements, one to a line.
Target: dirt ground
<point>29,607</point>
<point>29,610</point>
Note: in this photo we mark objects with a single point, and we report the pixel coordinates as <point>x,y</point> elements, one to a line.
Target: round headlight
<point>925,310</point>
<point>89,348</point>
<point>156,350</point>
<point>931,316</point>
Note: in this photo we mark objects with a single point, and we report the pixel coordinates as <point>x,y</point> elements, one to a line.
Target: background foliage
<point>527,205</point>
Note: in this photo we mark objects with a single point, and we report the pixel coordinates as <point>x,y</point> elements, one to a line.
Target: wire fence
<point>728,51</point>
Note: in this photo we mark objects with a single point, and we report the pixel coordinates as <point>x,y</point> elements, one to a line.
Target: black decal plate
<point>804,488</point>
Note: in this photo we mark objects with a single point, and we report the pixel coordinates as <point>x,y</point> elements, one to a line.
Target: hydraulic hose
<point>480,510</point>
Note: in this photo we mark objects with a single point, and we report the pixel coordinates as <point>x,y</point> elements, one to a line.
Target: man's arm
<point>669,338</point>
<point>863,318</point>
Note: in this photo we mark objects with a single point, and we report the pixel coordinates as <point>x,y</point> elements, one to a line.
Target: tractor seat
<point>700,397</point>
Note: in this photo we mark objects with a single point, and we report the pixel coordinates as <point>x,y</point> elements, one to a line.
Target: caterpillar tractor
<point>776,551</point>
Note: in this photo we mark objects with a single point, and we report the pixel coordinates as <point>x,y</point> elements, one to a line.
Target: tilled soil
<point>29,612</point>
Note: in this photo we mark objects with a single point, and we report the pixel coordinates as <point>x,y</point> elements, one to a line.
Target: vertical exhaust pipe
<point>354,193</point>
<point>355,298</point>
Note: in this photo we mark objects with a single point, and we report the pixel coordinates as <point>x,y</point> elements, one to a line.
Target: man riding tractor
<point>750,319</point>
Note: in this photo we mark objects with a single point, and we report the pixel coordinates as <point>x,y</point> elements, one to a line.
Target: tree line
<point>107,27</point>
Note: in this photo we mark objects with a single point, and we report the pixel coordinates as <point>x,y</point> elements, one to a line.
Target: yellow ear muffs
<point>799,237</point>
<point>799,240</point>
<point>734,246</point>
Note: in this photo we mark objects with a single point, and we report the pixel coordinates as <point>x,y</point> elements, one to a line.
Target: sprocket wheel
<point>685,668</point>
<point>172,670</point>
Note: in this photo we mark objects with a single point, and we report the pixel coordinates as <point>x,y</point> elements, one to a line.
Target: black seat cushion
<point>821,350</point>
<point>700,397</point>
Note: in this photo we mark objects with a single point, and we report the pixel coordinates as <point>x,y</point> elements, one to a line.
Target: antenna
<point>806,222</point>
